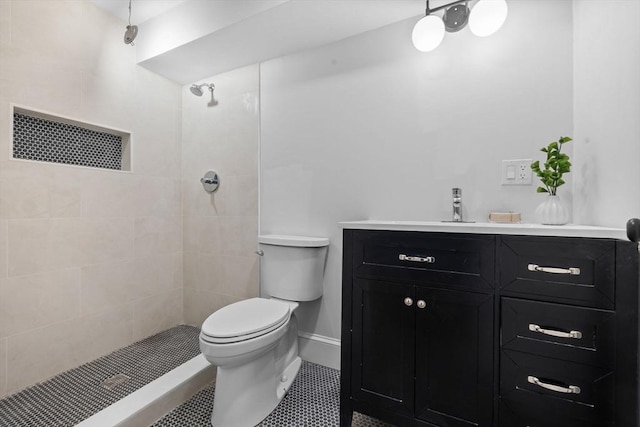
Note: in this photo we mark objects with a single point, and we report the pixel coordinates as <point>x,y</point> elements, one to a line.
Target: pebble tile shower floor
<point>74,395</point>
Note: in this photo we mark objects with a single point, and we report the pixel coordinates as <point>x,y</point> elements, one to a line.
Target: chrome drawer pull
<point>573,334</point>
<point>574,271</point>
<point>428,259</point>
<point>572,389</point>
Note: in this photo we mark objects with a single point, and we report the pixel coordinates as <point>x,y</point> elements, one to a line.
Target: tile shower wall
<point>220,229</point>
<point>90,260</point>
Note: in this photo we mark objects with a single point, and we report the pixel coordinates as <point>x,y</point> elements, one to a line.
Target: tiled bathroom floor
<point>75,395</point>
<point>313,401</point>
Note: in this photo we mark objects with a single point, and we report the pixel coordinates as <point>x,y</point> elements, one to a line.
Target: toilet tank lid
<point>299,241</point>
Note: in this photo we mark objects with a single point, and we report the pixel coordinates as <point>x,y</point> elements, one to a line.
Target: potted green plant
<point>552,211</point>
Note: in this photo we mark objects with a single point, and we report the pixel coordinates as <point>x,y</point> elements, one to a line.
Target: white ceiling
<point>141,10</point>
<point>189,40</point>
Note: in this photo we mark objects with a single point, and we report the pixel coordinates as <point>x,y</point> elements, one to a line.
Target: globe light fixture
<point>428,33</point>
<point>486,17</point>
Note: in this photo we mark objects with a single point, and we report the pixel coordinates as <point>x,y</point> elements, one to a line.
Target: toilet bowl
<point>254,343</point>
<point>257,360</point>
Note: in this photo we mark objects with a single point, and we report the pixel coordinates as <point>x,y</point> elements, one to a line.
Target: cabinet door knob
<point>421,303</point>
<point>408,302</point>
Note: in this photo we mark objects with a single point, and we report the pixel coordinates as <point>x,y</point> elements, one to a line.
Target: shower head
<point>197,89</point>
<point>132,30</point>
<point>130,34</point>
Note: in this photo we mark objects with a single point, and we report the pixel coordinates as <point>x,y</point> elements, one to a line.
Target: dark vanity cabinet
<point>453,329</point>
<point>419,310</point>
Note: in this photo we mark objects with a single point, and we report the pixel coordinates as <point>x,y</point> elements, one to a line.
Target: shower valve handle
<point>210,181</point>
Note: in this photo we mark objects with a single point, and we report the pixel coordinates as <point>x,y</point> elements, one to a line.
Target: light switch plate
<point>516,172</point>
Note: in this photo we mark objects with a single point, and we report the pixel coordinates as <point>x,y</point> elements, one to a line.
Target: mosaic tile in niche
<point>44,140</point>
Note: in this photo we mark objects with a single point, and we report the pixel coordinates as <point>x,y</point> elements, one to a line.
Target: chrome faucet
<point>457,204</point>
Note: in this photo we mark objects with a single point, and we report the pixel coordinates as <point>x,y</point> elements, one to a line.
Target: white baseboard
<point>319,349</point>
<point>156,399</point>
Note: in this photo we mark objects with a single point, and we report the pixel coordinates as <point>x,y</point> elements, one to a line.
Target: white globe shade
<point>428,33</point>
<point>487,16</point>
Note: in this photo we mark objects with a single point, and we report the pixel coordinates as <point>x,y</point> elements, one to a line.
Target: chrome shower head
<point>197,89</point>
<point>132,30</point>
<point>130,34</point>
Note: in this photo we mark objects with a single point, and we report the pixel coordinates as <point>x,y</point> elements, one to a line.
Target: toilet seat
<point>245,320</point>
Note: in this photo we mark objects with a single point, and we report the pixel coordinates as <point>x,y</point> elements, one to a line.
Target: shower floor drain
<point>115,381</point>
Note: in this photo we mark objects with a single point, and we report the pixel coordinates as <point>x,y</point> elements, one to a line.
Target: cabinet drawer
<point>579,271</point>
<point>464,262</point>
<point>556,387</point>
<point>579,334</point>
<point>526,414</point>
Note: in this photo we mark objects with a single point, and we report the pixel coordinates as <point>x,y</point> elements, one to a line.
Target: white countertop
<point>569,230</point>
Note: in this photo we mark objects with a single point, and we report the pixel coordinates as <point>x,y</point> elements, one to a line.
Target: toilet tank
<point>292,267</point>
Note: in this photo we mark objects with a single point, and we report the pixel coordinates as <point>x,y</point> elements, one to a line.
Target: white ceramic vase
<point>552,211</point>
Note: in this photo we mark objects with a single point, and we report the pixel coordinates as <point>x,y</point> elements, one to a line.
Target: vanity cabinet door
<point>383,345</point>
<point>454,362</point>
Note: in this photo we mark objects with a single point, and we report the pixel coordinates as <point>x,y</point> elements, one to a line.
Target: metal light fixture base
<point>456,17</point>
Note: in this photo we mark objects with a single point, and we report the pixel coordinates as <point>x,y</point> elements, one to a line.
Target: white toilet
<point>254,343</point>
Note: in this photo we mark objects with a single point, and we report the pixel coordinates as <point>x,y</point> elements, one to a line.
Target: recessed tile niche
<point>43,137</point>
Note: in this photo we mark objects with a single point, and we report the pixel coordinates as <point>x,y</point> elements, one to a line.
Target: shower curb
<point>156,399</point>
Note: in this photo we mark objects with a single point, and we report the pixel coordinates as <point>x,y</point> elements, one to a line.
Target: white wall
<point>607,112</point>
<point>371,128</point>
